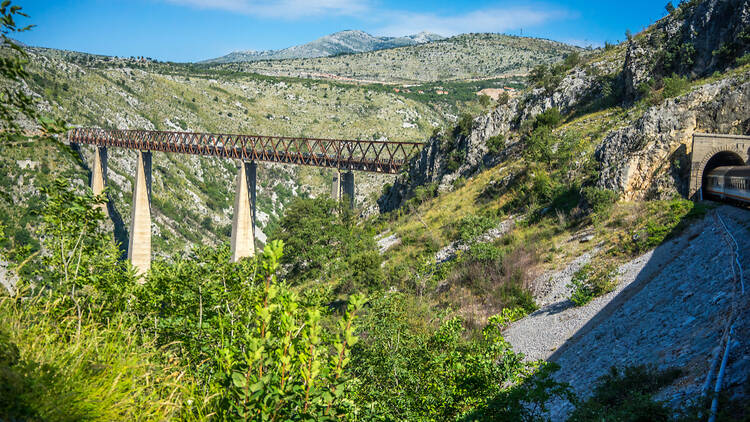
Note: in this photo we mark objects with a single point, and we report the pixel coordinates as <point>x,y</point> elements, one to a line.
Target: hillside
<point>193,196</point>
<point>566,190</point>
<point>343,42</point>
<point>110,92</point>
<point>461,57</point>
<point>537,260</point>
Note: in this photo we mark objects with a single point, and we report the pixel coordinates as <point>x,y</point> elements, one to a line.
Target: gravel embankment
<point>669,309</point>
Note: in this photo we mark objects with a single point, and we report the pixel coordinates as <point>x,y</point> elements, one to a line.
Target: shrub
<point>464,125</point>
<point>590,282</point>
<point>663,219</point>
<point>503,98</point>
<point>321,239</point>
<point>549,118</point>
<point>572,60</point>
<point>428,374</point>
<point>675,86</point>
<point>485,252</point>
<point>742,61</point>
<point>454,160</point>
<point>627,395</point>
<point>495,144</point>
<point>484,101</point>
<point>365,271</point>
<point>289,367</point>
<point>386,189</point>
<point>425,193</point>
<point>600,200</point>
<point>472,226</point>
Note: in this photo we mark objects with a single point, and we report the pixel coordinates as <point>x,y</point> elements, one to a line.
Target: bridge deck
<point>370,156</point>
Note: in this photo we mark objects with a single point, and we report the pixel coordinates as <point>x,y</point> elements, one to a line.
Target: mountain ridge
<point>342,42</point>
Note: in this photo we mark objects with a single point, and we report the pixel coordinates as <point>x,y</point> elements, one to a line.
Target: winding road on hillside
<point>669,310</point>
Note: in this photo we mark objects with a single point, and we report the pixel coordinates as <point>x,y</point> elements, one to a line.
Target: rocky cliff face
<point>696,39</point>
<point>430,165</point>
<point>648,157</point>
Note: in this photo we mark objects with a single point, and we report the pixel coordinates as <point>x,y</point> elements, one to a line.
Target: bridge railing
<point>371,156</point>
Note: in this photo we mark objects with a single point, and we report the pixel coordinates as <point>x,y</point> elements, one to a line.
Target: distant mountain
<point>344,42</point>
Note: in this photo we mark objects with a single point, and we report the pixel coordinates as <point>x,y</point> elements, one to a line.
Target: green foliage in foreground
<point>433,376</point>
<point>203,336</point>
<point>257,354</point>
<point>55,367</point>
<point>324,243</point>
<point>627,395</point>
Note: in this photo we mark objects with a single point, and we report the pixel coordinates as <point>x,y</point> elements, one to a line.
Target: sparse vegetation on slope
<point>461,57</point>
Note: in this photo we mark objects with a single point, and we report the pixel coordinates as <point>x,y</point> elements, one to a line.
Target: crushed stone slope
<point>669,310</point>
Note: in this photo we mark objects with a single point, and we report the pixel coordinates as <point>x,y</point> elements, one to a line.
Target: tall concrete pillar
<point>347,182</point>
<point>336,185</point>
<point>99,173</point>
<point>243,222</point>
<point>139,249</point>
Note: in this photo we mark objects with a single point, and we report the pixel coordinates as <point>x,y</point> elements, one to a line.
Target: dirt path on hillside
<point>669,310</point>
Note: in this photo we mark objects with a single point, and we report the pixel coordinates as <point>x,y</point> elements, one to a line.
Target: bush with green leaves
<point>485,252</point>
<point>592,281</point>
<point>744,60</point>
<point>464,126</point>
<point>472,226</point>
<point>663,220</point>
<point>495,144</point>
<point>454,160</point>
<point>675,85</point>
<point>325,243</point>
<point>195,300</point>
<point>403,374</point>
<point>545,147</point>
<point>627,395</point>
<point>284,365</point>
<point>600,200</point>
<point>82,265</point>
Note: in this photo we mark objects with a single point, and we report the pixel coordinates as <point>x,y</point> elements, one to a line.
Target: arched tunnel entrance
<point>711,150</point>
<point>720,159</point>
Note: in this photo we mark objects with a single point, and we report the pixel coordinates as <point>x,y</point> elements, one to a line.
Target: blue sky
<point>191,30</point>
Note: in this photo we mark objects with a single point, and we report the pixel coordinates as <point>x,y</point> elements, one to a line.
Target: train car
<point>729,184</point>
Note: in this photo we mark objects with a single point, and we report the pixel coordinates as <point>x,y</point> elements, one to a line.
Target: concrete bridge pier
<point>139,248</point>
<point>347,182</point>
<point>336,185</point>
<point>99,173</point>
<point>243,222</point>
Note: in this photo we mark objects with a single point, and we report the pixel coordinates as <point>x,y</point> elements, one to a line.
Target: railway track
<point>729,321</point>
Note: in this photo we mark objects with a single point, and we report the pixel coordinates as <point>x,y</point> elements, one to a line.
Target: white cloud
<point>392,22</point>
<point>286,9</point>
<point>484,20</point>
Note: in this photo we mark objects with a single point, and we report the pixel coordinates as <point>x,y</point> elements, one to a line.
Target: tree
<point>325,244</point>
<point>83,262</point>
<point>14,102</point>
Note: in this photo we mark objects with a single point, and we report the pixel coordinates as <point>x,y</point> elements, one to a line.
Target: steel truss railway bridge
<point>339,154</point>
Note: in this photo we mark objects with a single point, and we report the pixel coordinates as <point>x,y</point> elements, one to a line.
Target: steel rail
<point>370,156</point>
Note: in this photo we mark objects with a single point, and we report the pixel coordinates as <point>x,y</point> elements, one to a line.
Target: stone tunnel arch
<point>719,159</point>
<point>714,150</point>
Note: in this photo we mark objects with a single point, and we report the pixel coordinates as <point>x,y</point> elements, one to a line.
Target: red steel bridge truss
<point>371,156</point>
